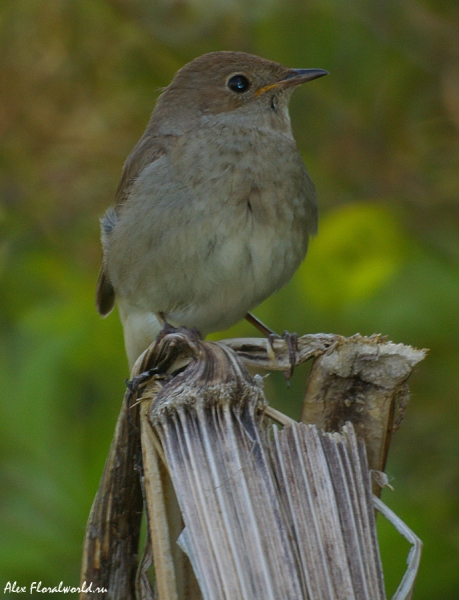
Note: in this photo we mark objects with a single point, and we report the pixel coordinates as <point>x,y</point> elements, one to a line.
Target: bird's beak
<point>294,77</point>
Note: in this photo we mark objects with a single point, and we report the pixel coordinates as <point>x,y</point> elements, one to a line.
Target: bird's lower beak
<point>294,77</point>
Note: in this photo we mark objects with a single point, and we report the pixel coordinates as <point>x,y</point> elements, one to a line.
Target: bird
<point>214,208</point>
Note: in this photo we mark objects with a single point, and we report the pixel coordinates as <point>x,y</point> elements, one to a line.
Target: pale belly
<point>210,282</point>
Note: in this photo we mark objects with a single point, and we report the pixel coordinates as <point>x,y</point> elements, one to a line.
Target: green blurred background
<point>380,138</point>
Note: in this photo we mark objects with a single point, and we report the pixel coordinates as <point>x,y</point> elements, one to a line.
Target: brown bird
<point>215,207</point>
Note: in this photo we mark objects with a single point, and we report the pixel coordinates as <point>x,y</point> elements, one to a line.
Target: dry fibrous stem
<point>199,417</point>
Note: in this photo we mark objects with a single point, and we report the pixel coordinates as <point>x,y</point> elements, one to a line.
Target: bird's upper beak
<point>294,77</point>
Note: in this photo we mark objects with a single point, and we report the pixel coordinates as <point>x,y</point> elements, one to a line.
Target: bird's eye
<point>238,84</point>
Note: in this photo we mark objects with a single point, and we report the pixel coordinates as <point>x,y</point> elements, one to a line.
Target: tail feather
<point>105,294</point>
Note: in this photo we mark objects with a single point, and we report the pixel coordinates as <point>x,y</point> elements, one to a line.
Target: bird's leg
<point>262,328</point>
<point>291,339</point>
<point>167,328</point>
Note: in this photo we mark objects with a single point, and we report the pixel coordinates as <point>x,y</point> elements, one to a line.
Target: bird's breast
<point>252,191</point>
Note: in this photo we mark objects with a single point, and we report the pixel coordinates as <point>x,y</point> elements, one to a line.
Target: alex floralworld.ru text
<point>37,586</point>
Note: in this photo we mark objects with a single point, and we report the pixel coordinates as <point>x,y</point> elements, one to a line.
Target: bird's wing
<point>147,151</point>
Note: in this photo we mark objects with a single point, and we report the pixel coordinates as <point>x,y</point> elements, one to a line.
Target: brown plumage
<point>214,208</point>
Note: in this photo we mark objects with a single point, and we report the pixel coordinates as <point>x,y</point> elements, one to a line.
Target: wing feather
<point>146,152</point>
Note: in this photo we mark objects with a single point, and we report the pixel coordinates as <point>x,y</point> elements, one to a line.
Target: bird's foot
<point>137,382</point>
<point>134,384</point>
<point>291,339</point>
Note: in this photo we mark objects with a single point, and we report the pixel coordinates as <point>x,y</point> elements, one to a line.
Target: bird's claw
<point>136,382</point>
<point>291,339</point>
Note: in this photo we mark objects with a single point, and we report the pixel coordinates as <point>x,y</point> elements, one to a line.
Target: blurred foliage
<point>380,138</point>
